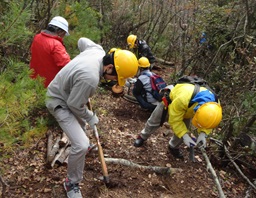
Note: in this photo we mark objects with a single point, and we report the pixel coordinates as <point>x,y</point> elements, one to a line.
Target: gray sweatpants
<point>79,142</point>
<point>153,123</point>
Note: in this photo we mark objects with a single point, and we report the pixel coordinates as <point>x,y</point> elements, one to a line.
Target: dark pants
<point>144,104</point>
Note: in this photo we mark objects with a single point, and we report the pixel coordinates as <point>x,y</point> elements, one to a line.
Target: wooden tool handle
<point>100,150</point>
<point>101,157</point>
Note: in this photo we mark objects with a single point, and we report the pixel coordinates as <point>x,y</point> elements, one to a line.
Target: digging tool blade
<point>191,154</point>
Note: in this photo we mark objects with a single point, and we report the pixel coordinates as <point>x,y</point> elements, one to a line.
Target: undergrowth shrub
<point>19,96</point>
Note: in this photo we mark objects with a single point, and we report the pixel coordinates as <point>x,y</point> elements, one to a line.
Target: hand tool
<point>192,152</point>
<point>100,150</point>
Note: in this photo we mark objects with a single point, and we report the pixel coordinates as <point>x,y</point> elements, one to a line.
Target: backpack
<point>197,81</point>
<point>157,84</point>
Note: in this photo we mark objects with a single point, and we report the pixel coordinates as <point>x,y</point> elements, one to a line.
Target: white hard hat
<point>60,22</point>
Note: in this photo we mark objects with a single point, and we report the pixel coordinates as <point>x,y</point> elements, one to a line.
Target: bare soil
<point>120,122</point>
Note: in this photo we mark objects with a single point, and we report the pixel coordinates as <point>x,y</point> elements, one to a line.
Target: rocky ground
<point>27,175</point>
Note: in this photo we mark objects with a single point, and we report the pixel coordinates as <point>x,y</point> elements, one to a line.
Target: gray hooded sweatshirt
<point>77,81</point>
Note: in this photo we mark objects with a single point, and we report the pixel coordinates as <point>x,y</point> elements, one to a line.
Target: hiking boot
<point>139,141</point>
<point>73,190</point>
<point>176,152</point>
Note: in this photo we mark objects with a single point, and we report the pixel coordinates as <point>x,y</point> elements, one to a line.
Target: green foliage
<point>20,95</point>
<point>13,24</point>
<point>83,22</point>
<point>230,69</point>
<point>247,109</point>
<point>34,132</point>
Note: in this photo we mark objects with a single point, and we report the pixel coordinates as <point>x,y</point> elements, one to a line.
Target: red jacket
<point>48,56</point>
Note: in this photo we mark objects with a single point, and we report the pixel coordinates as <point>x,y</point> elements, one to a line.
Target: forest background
<point>172,28</point>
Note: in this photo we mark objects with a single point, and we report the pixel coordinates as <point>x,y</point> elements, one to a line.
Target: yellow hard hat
<point>143,62</point>
<point>112,50</point>
<point>131,40</point>
<point>208,116</point>
<point>126,65</point>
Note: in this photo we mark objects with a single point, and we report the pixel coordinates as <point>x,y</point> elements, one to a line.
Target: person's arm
<point>144,50</point>
<point>78,98</point>
<point>60,55</point>
<point>138,87</point>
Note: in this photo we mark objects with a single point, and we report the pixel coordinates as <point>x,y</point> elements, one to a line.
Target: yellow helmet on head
<point>208,116</point>
<point>143,62</point>
<point>112,50</point>
<point>131,40</point>
<point>126,65</point>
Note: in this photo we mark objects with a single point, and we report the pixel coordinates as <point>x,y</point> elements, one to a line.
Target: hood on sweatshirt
<point>85,43</point>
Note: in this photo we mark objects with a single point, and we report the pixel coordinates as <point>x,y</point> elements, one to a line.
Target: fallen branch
<point>164,62</point>
<point>230,158</point>
<point>215,178</point>
<point>49,145</point>
<point>249,192</point>
<point>156,169</point>
<point>237,167</point>
<point>59,154</point>
<point>63,141</point>
<point>65,162</point>
<point>52,152</point>
<point>63,156</point>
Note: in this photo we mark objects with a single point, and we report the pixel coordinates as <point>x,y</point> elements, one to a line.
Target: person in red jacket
<point>48,53</point>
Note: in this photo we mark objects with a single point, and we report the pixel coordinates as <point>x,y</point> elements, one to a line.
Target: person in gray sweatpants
<point>69,92</point>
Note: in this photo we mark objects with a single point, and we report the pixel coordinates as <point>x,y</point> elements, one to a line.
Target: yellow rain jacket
<point>178,110</point>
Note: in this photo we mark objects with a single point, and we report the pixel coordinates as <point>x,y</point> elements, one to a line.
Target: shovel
<point>100,151</point>
<point>101,156</point>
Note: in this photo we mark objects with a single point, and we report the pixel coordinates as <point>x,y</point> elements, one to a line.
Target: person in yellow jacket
<point>204,110</point>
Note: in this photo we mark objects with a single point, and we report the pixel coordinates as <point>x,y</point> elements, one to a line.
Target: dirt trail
<point>120,123</point>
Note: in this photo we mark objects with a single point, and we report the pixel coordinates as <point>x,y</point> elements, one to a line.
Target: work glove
<point>188,140</point>
<point>93,121</point>
<point>201,138</point>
